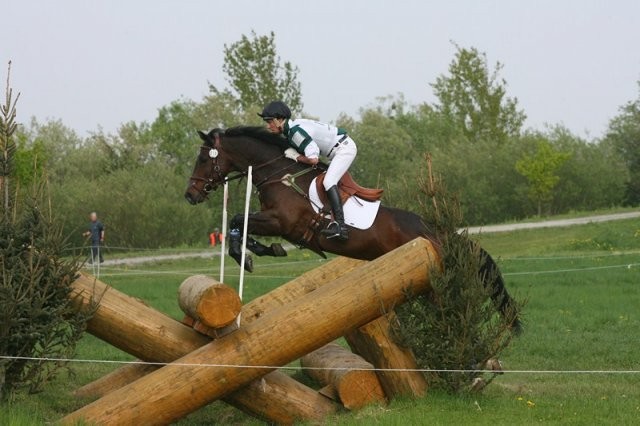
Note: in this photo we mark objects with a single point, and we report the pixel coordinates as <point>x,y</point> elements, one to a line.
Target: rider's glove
<point>292,154</point>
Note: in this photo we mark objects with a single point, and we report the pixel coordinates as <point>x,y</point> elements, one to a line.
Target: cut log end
<point>206,300</point>
<point>348,375</point>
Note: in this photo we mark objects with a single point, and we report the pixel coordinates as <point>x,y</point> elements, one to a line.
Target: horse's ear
<point>203,136</point>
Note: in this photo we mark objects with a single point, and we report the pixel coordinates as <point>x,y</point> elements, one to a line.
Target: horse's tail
<point>501,298</point>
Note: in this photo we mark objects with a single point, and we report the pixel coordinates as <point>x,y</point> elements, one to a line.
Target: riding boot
<point>337,228</point>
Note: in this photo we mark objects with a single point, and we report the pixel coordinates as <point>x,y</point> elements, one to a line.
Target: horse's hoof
<point>278,250</point>
<point>248,263</point>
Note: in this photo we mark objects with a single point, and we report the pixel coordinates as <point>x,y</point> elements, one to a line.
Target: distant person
<point>96,233</point>
<point>215,237</point>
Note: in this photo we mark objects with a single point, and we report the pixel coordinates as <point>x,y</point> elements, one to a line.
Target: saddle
<point>347,188</point>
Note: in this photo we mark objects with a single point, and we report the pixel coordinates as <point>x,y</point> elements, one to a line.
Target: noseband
<point>212,153</point>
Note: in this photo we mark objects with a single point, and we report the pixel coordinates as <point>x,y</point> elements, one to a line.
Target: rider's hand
<point>292,154</point>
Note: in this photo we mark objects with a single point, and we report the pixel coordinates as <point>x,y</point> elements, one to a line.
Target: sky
<point>103,63</point>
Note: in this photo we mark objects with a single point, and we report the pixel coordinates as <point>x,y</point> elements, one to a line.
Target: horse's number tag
<point>213,153</point>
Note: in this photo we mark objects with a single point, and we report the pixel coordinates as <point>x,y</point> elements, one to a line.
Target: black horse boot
<point>337,228</point>
<point>235,250</point>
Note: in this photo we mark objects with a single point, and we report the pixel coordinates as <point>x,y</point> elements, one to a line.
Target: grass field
<point>582,284</point>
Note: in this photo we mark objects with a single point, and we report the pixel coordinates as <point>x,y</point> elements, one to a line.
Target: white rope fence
<point>299,368</point>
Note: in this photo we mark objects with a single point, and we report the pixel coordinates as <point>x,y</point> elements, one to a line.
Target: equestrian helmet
<point>275,109</point>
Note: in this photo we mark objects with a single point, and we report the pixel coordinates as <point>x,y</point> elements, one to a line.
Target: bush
<point>456,326</point>
<point>37,317</point>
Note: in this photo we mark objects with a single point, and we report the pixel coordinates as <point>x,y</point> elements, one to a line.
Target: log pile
<point>344,297</point>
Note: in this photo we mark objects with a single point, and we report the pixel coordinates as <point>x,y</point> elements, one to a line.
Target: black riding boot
<point>337,228</point>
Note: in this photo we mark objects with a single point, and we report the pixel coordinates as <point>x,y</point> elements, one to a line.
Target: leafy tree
<point>473,97</point>
<point>624,134</point>
<point>540,169</point>
<point>257,75</point>
<point>594,177</point>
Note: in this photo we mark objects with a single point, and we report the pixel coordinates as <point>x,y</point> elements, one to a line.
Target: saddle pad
<point>358,213</point>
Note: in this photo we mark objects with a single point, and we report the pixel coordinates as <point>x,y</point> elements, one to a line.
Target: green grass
<point>585,318</point>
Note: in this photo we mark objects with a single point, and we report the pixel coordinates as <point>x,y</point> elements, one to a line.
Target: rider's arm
<point>311,154</point>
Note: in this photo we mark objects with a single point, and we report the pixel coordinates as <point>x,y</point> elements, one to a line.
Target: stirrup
<point>335,230</point>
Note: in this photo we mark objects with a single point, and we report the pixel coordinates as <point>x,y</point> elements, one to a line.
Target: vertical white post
<point>223,243</point>
<point>244,233</point>
<point>98,267</point>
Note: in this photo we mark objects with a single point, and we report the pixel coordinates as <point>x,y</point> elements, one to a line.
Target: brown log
<point>272,398</point>
<point>352,377</point>
<point>278,337</point>
<point>208,301</point>
<point>134,327</point>
<point>375,343</point>
<point>115,380</point>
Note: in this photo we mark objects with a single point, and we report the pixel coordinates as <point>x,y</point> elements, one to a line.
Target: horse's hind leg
<point>235,243</point>
<point>275,249</point>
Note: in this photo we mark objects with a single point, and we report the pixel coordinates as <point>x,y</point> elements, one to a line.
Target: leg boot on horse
<point>235,249</point>
<point>337,228</point>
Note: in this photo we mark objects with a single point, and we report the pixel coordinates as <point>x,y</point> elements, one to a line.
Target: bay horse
<point>285,210</point>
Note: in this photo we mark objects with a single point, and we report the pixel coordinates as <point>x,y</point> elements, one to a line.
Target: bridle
<point>213,153</point>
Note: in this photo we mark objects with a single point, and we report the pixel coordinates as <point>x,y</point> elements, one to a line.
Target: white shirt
<point>312,138</point>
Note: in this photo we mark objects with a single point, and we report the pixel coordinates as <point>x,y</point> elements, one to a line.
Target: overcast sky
<point>94,63</point>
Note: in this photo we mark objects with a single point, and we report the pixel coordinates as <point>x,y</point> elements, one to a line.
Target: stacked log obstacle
<point>298,287</point>
<point>130,325</point>
<point>276,338</point>
<point>373,341</point>
<point>345,374</point>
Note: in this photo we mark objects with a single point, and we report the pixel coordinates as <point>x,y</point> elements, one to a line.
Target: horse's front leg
<point>260,223</point>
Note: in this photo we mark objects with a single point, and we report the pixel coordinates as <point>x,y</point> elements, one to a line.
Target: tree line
<point>135,178</point>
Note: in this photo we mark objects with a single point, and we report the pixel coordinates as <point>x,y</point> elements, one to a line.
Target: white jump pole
<point>223,243</point>
<point>244,233</point>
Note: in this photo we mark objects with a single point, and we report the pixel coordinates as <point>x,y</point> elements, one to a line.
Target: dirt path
<point>553,223</point>
<point>208,254</point>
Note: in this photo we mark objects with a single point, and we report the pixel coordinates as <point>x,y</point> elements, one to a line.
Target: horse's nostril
<point>189,198</point>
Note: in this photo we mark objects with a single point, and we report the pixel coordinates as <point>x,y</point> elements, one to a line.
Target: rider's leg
<point>340,163</point>
<point>337,228</point>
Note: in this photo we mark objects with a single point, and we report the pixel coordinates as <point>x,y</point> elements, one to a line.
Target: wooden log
<point>276,338</point>
<point>375,343</point>
<point>272,398</point>
<point>208,301</point>
<point>115,380</point>
<point>353,378</point>
<point>134,327</point>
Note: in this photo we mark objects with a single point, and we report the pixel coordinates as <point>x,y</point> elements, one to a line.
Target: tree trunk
<point>134,327</point>
<point>375,343</point>
<point>278,337</point>
<point>206,300</point>
<point>353,378</point>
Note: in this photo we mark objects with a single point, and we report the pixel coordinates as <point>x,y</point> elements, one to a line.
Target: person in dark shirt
<point>96,234</point>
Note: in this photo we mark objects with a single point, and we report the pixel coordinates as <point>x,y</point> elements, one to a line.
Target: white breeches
<point>343,156</point>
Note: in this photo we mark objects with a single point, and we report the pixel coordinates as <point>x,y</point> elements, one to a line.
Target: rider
<point>309,139</point>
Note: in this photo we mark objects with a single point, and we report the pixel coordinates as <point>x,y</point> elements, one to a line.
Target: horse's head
<point>210,170</point>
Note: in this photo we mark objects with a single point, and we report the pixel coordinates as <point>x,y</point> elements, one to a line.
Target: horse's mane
<point>259,133</point>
